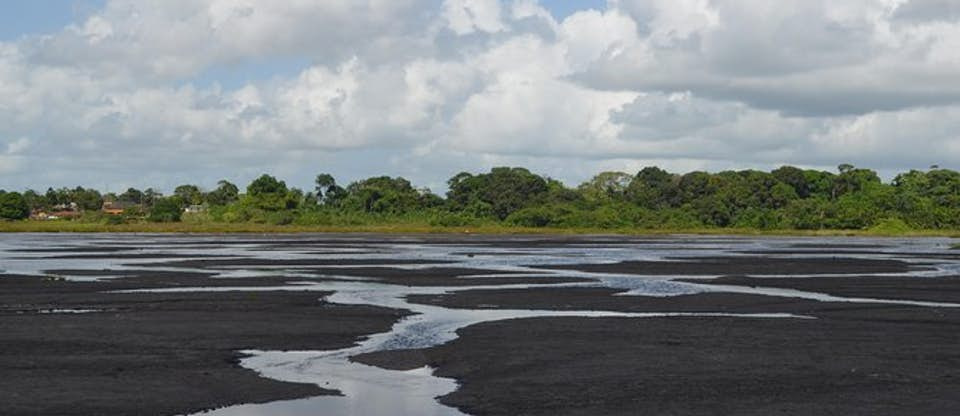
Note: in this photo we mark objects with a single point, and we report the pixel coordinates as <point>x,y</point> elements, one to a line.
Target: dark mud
<point>152,353</point>
<point>871,361</point>
<point>940,255</point>
<point>715,266</point>
<point>176,353</point>
<point>852,359</point>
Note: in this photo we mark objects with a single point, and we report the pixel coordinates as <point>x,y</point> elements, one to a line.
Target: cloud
<point>426,88</point>
<point>809,58</point>
<point>160,40</point>
<point>928,10</point>
<point>469,16</point>
<point>18,146</point>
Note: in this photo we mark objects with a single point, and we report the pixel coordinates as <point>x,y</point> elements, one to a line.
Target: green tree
<point>225,194</point>
<point>269,194</point>
<point>166,210</point>
<point>87,199</point>
<point>713,210</point>
<point>131,196</point>
<point>808,214</point>
<point>150,197</point>
<point>795,178</point>
<point>383,195</point>
<point>653,188</point>
<point>606,187</point>
<point>501,192</point>
<point>34,200</point>
<point>941,186</point>
<point>695,186</point>
<point>53,197</point>
<point>327,190</point>
<point>852,180</point>
<point>189,194</point>
<point>13,206</point>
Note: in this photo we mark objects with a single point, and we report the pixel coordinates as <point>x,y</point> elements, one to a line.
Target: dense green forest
<point>786,198</point>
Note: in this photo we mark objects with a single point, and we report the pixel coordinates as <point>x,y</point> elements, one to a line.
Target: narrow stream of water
<point>374,391</point>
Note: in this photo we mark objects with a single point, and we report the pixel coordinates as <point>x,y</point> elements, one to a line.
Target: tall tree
<point>606,186</point>
<point>132,196</point>
<point>851,180</point>
<point>86,199</point>
<point>189,194</point>
<point>166,210</point>
<point>225,194</point>
<point>653,188</point>
<point>795,178</point>
<point>150,197</point>
<point>327,190</point>
<point>503,191</point>
<point>13,206</point>
<point>382,194</point>
<point>269,194</point>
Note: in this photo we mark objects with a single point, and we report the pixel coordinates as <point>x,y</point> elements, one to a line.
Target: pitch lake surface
<point>313,260</point>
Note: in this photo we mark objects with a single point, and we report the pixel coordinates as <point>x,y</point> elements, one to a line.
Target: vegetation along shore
<point>787,200</point>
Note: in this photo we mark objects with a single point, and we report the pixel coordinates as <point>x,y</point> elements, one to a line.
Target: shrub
<point>113,220</point>
<point>542,216</point>
<point>449,219</point>
<point>165,210</point>
<point>280,218</point>
<point>891,226</point>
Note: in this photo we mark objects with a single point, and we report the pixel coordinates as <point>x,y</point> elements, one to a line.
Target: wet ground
<point>506,325</point>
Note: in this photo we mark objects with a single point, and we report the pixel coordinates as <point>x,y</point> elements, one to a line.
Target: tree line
<point>785,198</point>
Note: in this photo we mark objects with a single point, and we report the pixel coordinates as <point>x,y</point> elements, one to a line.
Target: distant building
<point>195,209</point>
<point>66,207</point>
<point>117,207</point>
<point>56,212</point>
<point>53,215</point>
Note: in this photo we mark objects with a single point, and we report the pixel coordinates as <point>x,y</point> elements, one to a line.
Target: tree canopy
<point>785,198</point>
<point>13,206</point>
<point>269,194</point>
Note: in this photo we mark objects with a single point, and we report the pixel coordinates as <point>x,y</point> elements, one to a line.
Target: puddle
<point>67,311</point>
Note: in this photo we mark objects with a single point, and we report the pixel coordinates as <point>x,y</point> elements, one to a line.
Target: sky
<point>113,94</point>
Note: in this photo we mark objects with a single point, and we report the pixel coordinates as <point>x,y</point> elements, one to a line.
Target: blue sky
<point>564,8</point>
<point>31,17</point>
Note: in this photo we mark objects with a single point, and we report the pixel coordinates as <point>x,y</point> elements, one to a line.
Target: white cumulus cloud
<point>137,94</point>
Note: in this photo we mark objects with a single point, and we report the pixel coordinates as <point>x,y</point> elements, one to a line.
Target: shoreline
<point>54,227</point>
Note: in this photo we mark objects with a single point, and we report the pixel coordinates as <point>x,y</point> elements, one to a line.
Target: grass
<point>418,228</point>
